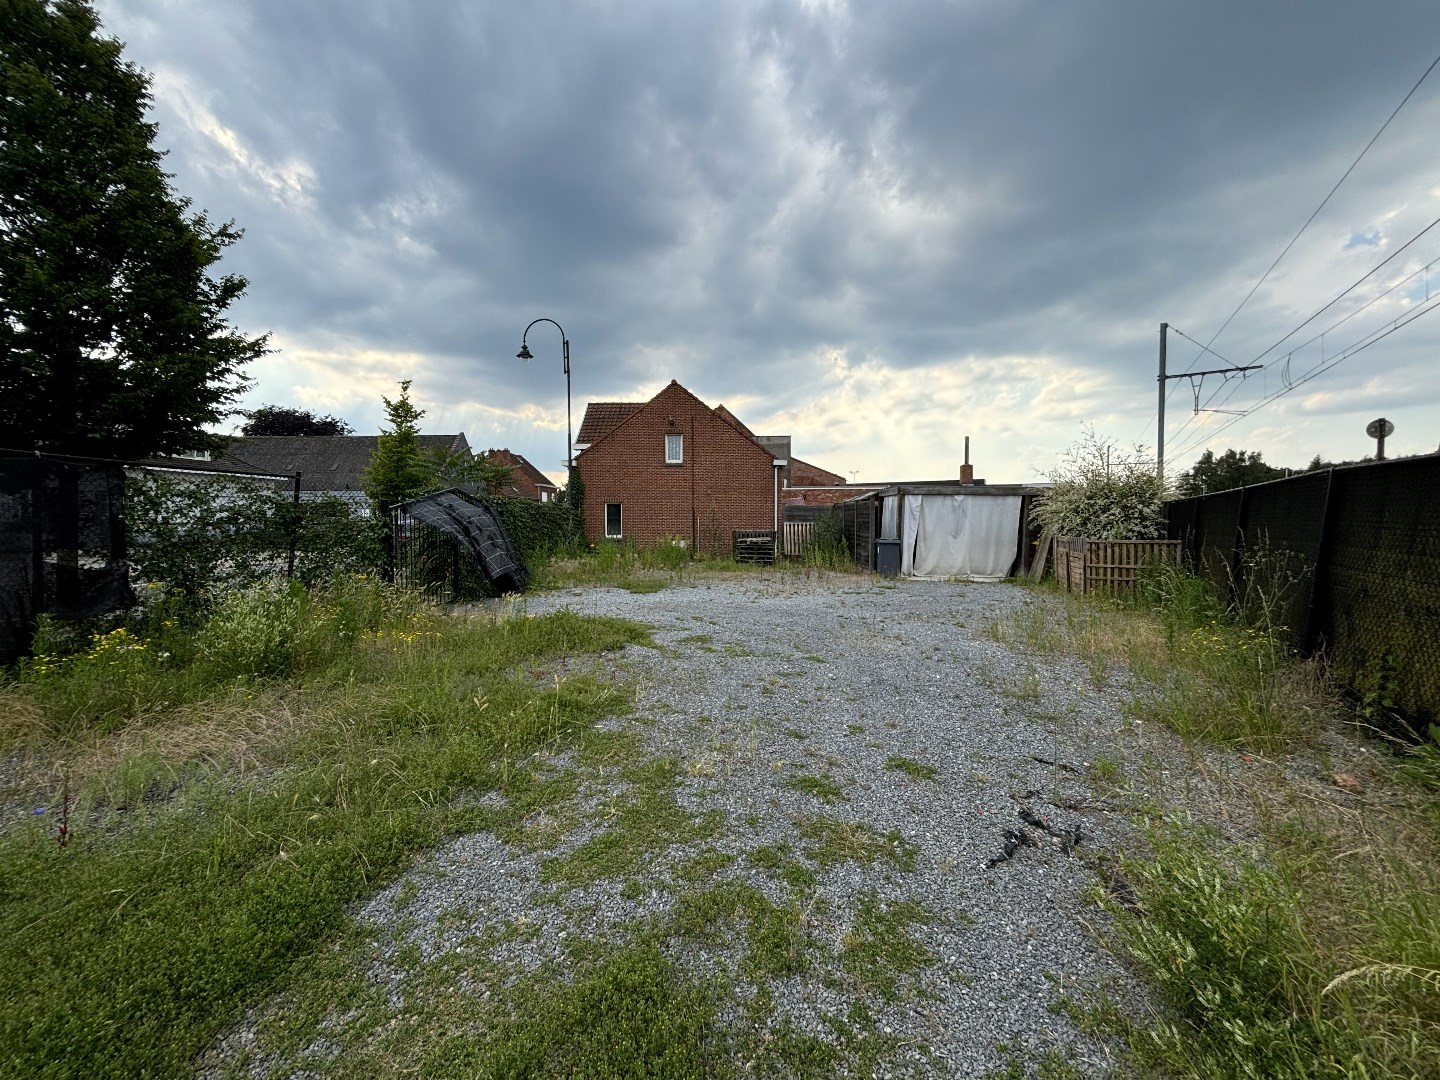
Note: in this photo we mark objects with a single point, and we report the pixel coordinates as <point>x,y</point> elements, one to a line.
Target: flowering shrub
<point>1102,495</point>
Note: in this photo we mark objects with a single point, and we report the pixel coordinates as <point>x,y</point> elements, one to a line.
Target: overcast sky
<point>877,227</point>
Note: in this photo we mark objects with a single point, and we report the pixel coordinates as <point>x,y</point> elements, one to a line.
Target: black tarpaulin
<point>479,533</point>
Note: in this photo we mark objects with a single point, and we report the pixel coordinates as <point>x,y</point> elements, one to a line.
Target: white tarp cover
<point>971,536</point>
<point>890,517</point>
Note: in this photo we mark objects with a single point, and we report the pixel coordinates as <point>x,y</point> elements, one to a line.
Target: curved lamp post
<point>526,355</point>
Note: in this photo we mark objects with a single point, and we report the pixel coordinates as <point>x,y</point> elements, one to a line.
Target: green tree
<point>113,338</point>
<point>399,470</point>
<point>460,467</point>
<point>281,420</point>
<point>1232,469</point>
<point>1101,493</point>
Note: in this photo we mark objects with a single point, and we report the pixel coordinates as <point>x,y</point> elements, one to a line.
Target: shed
<point>944,530</point>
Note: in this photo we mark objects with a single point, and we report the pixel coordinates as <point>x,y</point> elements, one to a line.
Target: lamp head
<point>524,353</point>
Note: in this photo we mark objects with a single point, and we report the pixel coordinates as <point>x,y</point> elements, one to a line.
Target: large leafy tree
<point>1232,469</point>
<point>113,337</point>
<point>282,420</point>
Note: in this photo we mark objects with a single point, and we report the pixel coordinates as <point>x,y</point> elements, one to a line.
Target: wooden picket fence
<point>1083,565</point>
<point>798,537</point>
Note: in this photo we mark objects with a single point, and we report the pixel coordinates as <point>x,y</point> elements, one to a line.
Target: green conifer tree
<point>399,470</point>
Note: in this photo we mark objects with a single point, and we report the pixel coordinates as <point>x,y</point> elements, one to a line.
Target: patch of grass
<point>776,942</point>
<point>1105,770</point>
<point>779,861</point>
<point>822,787</point>
<point>815,659</point>
<point>878,950</point>
<point>185,910</point>
<point>697,639</point>
<point>1312,952</point>
<point>643,584</point>
<point>914,769</point>
<point>831,842</point>
<point>631,1013</point>
<point>642,822</point>
<point>855,729</point>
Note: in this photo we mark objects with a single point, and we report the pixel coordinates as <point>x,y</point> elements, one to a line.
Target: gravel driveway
<point>865,752</point>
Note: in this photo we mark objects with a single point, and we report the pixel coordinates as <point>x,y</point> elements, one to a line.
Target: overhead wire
<point>1358,346</point>
<point>1323,202</point>
<point>1233,387</point>
<point>1361,280</point>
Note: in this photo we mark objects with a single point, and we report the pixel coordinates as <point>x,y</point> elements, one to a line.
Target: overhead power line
<point>1230,388</point>
<point>1323,203</point>
<point>1356,347</point>
<point>1361,280</point>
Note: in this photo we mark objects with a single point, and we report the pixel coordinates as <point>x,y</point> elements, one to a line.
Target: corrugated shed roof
<point>601,417</point>
<point>324,462</point>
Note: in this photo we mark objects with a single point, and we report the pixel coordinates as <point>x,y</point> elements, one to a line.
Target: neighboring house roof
<point>527,480</point>
<point>325,462</point>
<point>688,393</point>
<point>226,464</point>
<point>803,474</point>
<point>729,417</point>
<point>602,417</point>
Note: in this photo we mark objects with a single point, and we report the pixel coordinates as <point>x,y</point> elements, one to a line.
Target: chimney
<point>967,471</point>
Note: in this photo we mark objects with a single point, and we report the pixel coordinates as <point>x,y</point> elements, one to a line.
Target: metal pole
<point>569,438</point>
<point>1160,418</point>
<point>294,529</point>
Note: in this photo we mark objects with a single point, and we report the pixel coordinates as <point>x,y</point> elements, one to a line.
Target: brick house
<point>674,467</point>
<point>526,481</point>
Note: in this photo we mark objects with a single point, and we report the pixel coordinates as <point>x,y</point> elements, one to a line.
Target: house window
<point>544,495</point>
<point>674,449</point>
<point>612,521</point>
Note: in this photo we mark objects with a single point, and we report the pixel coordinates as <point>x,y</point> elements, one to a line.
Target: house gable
<point>725,480</point>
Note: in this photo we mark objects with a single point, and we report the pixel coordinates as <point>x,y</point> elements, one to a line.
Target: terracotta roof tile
<point>603,416</point>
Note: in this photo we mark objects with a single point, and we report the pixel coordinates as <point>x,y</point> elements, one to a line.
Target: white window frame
<point>679,458</point>
<point>620,514</point>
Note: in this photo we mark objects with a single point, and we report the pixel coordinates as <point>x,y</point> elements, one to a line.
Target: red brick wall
<point>726,481</point>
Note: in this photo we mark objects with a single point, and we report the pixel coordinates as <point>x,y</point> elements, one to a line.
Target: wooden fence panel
<point>1084,565</point>
<point>798,537</point>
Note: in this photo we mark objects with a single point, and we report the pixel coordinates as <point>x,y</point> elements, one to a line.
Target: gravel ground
<point>761,680</point>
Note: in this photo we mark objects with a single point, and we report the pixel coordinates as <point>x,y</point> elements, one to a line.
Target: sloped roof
<point>730,418</point>
<point>325,462</point>
<point>521,465</point>
<point>804,474</point>
<point>601,417</point>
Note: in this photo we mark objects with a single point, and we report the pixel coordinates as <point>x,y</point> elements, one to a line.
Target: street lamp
<point>526,355</point>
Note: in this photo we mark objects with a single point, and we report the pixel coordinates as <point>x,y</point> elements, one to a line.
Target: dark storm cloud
<point>741,185</point>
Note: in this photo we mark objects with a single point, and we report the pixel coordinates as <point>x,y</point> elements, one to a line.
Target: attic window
<point>674,449</point>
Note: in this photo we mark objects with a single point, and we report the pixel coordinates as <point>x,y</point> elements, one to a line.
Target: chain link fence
<point>1348,560</point>
<point>82,539</point>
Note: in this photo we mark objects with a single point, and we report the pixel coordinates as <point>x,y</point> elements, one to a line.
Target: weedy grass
<point>1209,668</point>
<point>879,951</point>
<point>916,770</point>
<point>224,807</point>
<point>823,788</point>
<point>1315,951</point>
<point>649,568</point>
<point>1307,957</point>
